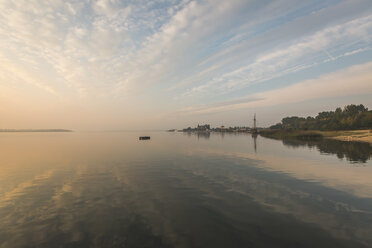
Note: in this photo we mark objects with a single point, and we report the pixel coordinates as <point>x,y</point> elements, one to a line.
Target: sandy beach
<point>358,135</point>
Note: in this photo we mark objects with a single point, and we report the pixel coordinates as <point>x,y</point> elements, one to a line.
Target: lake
<point>108,189</point>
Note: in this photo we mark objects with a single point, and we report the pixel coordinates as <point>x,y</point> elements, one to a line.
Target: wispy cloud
<point>85,45</point>
<point>351,81</point>
<point>165,55</point>
<point>301,53</point>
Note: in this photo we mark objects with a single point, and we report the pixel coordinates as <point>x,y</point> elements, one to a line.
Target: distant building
<point>205,127</point>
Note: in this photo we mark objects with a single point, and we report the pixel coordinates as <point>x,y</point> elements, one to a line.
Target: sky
<point>130,65</point>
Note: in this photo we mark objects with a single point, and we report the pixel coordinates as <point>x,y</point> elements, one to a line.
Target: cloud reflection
<point>174,192</point>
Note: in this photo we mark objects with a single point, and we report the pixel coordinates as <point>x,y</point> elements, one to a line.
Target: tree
<point>351,117</point>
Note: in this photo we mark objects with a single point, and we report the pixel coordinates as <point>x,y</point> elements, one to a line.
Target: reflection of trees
<point>207,135</point>
<point>203,135</point>
<point>351,151</point>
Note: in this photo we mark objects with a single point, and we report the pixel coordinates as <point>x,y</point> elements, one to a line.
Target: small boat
<point>144,137</point>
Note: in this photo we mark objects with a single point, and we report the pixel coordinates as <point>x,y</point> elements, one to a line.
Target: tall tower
<point>254,122</point>
<point>254,129</point>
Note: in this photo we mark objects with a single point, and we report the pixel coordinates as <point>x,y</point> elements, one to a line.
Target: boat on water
<point>144,137</point>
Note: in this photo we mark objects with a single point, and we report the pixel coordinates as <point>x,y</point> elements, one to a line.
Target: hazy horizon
<point>157,65</point>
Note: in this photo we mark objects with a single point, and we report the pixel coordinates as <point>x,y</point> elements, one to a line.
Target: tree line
<point>349,118</point>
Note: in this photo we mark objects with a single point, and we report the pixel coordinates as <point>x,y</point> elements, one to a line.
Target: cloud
<point>13,73</point>
<point>173,51</point>
<point>301,53</point>
<point>107,7</point>
<point>355,80</point>
<point>165,55</point>
<point>106,46</point>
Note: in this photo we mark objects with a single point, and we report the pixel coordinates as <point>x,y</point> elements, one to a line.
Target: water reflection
<point>254,137</point>
<point>203,135</point>
<point>111,190</point>
<point>357,152</point>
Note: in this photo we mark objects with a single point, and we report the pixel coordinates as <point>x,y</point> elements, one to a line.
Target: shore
<point>357,135</point>
<point>352,135</point>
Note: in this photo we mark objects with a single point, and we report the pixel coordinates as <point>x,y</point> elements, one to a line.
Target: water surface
<point>182,190</point>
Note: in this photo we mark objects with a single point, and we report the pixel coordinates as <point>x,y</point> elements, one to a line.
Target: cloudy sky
<point>135,64</point>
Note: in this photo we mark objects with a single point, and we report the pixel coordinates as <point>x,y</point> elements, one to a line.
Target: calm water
<point>179,190</point>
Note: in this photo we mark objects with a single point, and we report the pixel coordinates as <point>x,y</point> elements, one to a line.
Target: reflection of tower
<point>254,136</point>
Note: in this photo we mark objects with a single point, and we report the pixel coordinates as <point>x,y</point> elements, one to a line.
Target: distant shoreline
<point>34,130</point>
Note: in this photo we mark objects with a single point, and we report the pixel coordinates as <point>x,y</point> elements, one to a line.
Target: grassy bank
<point>350,135</point>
